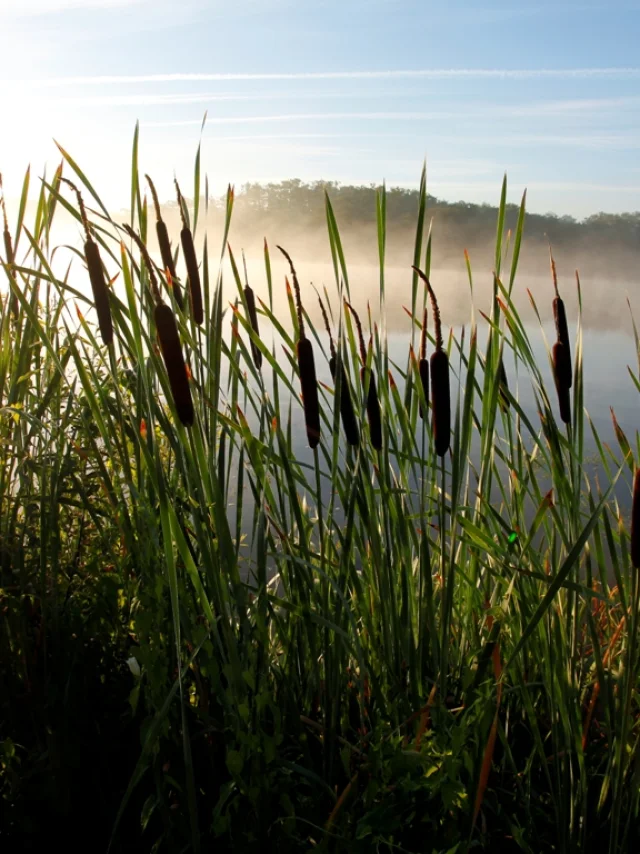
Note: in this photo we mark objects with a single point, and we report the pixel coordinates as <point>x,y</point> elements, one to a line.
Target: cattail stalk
<point>367,377</point>
<point>423,365</point>
<point>191,262</point>
<point>306,368</point>
<point>560,373</point>
<point>96,273</point>
<point>165,247</point>
<point>560,318</point>
<point>347,413</point>
<point>440,390</point>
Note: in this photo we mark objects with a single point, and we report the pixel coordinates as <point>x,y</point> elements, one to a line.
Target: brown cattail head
<point>374,415</point>
<point>635,522</point>
<point>440,391</point>
<point>309,384</point>
<point>253,315</point>
<point>560,318</point>
<point>191,263</point>
<point>174,363</point>
<point>100,290</point>
<point>96,273</point>
<point>349,420</point>
<point>165,246</point>
<point>440,401</point>
<point>504,385</point>
<point>560,371</point>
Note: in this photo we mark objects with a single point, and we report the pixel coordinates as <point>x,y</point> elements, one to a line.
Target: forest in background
<point>294,211</point>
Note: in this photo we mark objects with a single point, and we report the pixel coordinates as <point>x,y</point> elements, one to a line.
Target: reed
<point>306,367</point>
<point>191,263</point>
<point>164,243</point>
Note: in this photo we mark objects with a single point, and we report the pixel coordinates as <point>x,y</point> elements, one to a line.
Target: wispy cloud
<point>27,8</point>
<point>388,74</point>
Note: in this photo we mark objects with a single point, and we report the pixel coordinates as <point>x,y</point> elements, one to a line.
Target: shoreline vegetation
<point>396,645</point>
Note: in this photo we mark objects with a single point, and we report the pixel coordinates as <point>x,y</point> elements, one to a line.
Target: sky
<point>357,91</point>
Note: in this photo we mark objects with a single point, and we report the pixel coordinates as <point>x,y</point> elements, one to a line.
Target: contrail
<point>389,74</point>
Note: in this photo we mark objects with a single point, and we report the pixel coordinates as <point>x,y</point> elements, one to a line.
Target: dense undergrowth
<point>213,638</point>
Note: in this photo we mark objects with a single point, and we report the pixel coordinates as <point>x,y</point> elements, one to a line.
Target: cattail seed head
<point>309,384</point>
<point>193,275</point>
<point>174,363</point>
<point>349,420</point>
<point>560,372</point>
<point>562,331</point>
<point>635,522</point>
<point>440,401</point>
<point>374,415</point>
<point>504,385</point>
<point>99,289</point>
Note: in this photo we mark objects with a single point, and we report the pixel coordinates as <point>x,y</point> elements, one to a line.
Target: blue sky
<point>352,91</point>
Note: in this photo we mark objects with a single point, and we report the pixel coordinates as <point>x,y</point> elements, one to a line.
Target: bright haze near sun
<point>355,91</point>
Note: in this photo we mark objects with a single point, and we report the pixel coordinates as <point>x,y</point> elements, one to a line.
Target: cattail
<point>253,316</point>
<point>191,262</point>
<point>560,371</point>
<point>349,421</point>
<point>560,318</point>
<point>174,363</point>
<point>504,385</point>
<point>165,247</point>
<point>96,274</point>
<point>635,522</point>
<point>374,415</point>
<point>423,364</point>
<point>440,391</point>
<point>8,249</point>
<point>306,368</point>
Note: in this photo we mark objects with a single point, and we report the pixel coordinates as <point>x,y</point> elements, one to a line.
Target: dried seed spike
<point>423,337</point>
<point>434,307</point>
<point>154,195</point>
<point>554,273</point>
<point>356,317</point>
<point>180,203</point>
<point>191,263</point>
<point>332,346</point>
<point>296,287</point>
<point>100,289</point>
<point>83,212</point>
<point>174,363</point>
<point>635,522</point>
